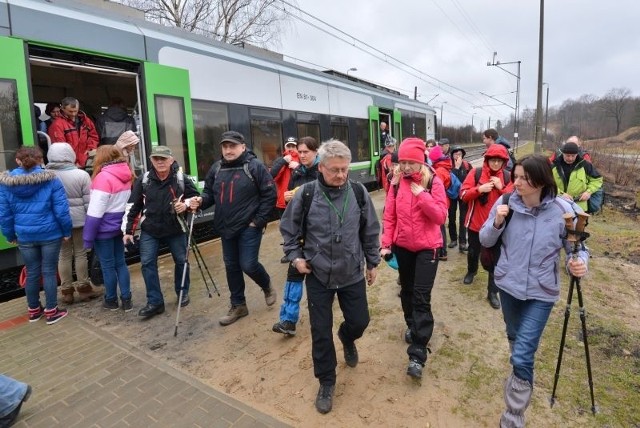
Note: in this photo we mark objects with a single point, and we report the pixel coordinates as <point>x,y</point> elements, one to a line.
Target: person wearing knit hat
<point>480,191</point>
<point>413,213</point>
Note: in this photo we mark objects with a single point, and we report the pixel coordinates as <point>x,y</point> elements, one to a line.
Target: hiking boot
<point>67,295</point>
<point>35,314</point>
<point>112,305</point>
<point>443,255</point>
<point>468,278</point>
<point>151,310</point>
<point>87,292</point>
<point>127,306</point>
<point>235,313</point>
<point>269,295</point>
<point>414,369</point>
<point>324,399</point>
<point>185,300</point>
<point>453,244</point>
<point>285,327</point>
<point>493,299</point>
<point>463,248</point>
<point>407,336</point>
<point>284,259</point>
<point>350,352</point>
<point>54,315</point>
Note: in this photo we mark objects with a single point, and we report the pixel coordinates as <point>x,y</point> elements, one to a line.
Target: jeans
<point>41,259</point>
<point>417,276</point>
<point>355,309</point>
<point>115,272</point>
<point>240,255</point>
<point>149,247</point>
<point>11,394</point>
<point>460,233</point>
<point>73,251</point>
<point>525,321</point>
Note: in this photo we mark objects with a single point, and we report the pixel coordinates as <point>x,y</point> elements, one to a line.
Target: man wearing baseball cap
<point>244,194</point>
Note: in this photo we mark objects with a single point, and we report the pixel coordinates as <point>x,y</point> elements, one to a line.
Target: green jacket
<point>583,178</point>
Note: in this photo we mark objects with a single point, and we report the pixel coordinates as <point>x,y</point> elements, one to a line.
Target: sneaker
<point>414,369</point>
<point>463,248</point>
<point>269,295</point>
<point>112,305</point>
<point>324,399</point>
<point>453,244</point>
<point>35,314</point>
<point>54,315</point>
<point>127,306</point>
<point>350,352</point>
<point>468,278</point>
<point>235,313</point>
<point>285,327</point>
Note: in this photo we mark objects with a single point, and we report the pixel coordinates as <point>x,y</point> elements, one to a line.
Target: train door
<point>16,120</point>
<point>397,126</point>
<point>374,137</point>
<point>167,103</point>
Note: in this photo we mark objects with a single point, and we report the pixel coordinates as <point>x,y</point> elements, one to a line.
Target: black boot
<point>151,310</point>
<point>468,278</point>
<point>493,299</point>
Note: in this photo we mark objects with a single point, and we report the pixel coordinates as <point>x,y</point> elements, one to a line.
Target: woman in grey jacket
<point>77,186</point>
<point>527,272</point>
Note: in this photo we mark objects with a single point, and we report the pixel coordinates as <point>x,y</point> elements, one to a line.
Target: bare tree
<point>613,104</point>
<point>232,21</point>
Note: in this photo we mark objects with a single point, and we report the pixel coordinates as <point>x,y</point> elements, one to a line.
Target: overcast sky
<point>590,47</point>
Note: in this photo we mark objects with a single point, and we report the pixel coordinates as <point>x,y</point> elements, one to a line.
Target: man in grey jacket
<point>341,239</point>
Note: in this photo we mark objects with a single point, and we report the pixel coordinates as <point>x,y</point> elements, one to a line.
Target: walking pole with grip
<point>184,274</point>
<point>576,235</point>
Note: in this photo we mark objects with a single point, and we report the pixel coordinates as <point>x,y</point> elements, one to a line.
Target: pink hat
<point>435,154</point>
<point>411,149</point>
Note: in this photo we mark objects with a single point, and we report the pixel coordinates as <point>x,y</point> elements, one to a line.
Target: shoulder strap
<point>308,189</point>
<point>179,177</point>
<point>478,173</point>
<point>245,168</point>
<point>506,176</point>
<point>505,200</point>
<point>358,190</point>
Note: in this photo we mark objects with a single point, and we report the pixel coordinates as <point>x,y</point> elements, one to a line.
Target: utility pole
<point>415,92</point>
<point>516,126</point>
<point>441,106</point>
<point>538,134</point>
<point>546,114</point>
<point>471,132</point>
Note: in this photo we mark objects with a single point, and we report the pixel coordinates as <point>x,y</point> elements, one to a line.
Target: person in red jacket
<point>74,127</point>
<point>281,172</point>
<point>415,207</point>
<point>441,163</point>
<point>480,196</point>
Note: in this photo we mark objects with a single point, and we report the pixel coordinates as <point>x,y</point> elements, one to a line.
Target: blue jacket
<point>33,206</point>
<point>529,262</point>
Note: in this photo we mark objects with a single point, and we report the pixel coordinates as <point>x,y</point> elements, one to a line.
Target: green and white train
<point>184,89</point>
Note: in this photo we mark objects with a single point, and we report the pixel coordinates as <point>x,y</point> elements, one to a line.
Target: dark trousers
<point>417,275</point>
<point>457,233</point>
<point>353,303</point>
<point>473,257</point>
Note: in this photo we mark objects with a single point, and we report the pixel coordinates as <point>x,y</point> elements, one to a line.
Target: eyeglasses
<point>336,171</point>
<point>495,160</point>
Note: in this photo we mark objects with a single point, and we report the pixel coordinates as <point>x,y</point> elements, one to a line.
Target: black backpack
<point>489,256</point>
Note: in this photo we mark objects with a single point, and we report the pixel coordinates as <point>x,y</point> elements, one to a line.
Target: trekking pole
<point>575,235</point>
<point>201,262</point>
<point>184,274</point>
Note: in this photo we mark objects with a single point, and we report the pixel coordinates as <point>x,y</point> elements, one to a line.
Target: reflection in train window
<point>10,134</point>
<point>361,151</point>
<point>171,129</point>
<point>210,120</point>
<point>266,134</point>
<point>340,129</point>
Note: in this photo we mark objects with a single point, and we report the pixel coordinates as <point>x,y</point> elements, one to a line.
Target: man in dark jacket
<point>244,194</point>
<point>460,168</point>
<point>114,122</point>
<point>160,195</point>
<point>340,240</point>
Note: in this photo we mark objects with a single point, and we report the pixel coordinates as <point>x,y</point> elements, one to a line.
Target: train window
<point>408,128</point>
<point>361,151</point>
<point>266,134</point>
<point>10,133</point>
<point>172,131</point>
<point>210,120</point>
<point>420,120</point>
<point>340,129</point>
<point>309,130</point>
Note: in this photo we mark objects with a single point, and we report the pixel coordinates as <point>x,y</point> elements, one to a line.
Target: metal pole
<point>471,132</point>
<point>516,133</point>
<point>538,129</point>
<point>441,106</point>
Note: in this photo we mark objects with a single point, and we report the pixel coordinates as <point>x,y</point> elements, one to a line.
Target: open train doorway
<point>96,82</point>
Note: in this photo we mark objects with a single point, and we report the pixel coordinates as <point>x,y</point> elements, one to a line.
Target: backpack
<point>308,190</point>
<point>179,176</point>
<point>244,167</point>
<point>489,256</point>
<point>506,176</point>
<point>453,191</point>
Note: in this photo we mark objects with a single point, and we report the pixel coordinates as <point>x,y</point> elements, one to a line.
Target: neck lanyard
<point>344,205</point>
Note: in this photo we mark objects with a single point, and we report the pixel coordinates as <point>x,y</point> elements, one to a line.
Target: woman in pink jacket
<point>415,208</point>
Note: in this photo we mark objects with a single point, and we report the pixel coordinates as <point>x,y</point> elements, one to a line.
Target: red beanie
<point>412,149</point>
<point>435,154</point>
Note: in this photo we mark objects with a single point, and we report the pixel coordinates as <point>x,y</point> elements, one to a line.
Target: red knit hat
<point>435,154</point>
<point>412,149</point>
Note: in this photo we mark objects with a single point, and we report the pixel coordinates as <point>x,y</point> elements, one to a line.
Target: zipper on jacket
<point>222,192</point>
<point>231,192</point>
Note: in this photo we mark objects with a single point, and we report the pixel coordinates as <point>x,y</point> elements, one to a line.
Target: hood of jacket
<point>61,153</point>
<point>496,151</point>
<point>119,170</point>
<point>23,183</point>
